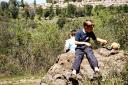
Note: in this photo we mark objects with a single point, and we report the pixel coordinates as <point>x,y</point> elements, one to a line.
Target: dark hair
<point>73,32</point>
<point>85,23</point>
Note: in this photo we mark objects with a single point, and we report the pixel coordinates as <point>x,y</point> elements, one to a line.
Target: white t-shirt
<point>70,44</point>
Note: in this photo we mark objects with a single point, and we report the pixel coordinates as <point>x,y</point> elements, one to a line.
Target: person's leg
<point>91,58</point>
<point>79,57</point>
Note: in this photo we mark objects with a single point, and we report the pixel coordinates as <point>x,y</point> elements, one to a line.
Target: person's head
<point>72,32</point>
<point>88,26</point>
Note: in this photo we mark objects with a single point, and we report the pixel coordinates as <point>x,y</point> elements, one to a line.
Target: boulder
<point>110,64</point>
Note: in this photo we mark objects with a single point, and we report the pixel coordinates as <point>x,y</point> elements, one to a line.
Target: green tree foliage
<point>34,2</point>
<point>4,11</point>
<point>26,12</point>
<point>113,9</point>
<point>58,10</point>
<point>46,13</point>
<point>61,21</point>
<point>51,12</point>
<point>4,5</point>
<point>67,0</point>
<point>32,13</point>
<point>88,10</point>
<point>125,74</point>
<point>72,0</point>
<point>98,8</point>
<point>125,8</point>
<point>79,0</point>
<point>39,12</point>
<point>49,1</point>
<point>118,28</point>
<point>80,12</point>
<point>73,24</point>
<point>71,10</point>
<point>22,3</point>
<point>63,12</point>
<point>13,7</point>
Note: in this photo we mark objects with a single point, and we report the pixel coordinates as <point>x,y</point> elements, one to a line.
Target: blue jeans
<point>79,53</point>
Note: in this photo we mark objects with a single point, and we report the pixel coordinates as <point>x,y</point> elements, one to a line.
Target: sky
<point>30,1</point>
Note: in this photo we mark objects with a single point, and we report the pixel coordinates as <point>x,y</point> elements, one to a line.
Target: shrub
<point>58,10</point>
<point>125,74</point>
<point>80,12</point>
<point>61,21</point>
<point>39,12</point>
<point>71,10</point>
<point>88,10</point>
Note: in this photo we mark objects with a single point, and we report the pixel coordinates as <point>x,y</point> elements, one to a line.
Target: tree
<point>88,10</point>
<point>79,0</point>
<point>39,12</point>
<point>79,12</point>
<point>14,2</point>
<point>32,13</point>
<point>67,0</point>
<point>34,3</point>
<point>49,1</point>
<point>47,13</point>
<point>98,8</point>
<point>74,0</point>
<point>51,12</point>
<point>22,3</point>
<point>71,10</point>
<point>58,10</point>
<point>61,21</point>
<point>4,5</point>
<point>26,12</point>
<point>13,7</point>
<point>125,8</point>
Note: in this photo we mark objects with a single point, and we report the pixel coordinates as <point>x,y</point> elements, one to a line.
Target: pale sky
<point>30,1</point>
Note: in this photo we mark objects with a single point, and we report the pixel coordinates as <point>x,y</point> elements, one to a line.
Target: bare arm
<point>82,43</point>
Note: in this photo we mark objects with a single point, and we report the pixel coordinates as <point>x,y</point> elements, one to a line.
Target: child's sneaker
<point>74,76</point>
<point>97,74</point>
<point>74,72</point>
<point>96,69</point>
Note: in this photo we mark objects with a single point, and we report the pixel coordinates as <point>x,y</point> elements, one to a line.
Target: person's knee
<point>88,49</point>
<point>79,54</point>
<point>79,57</point>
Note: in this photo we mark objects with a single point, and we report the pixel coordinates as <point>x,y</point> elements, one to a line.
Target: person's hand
<point>102,41</point>
<point>87,44</point>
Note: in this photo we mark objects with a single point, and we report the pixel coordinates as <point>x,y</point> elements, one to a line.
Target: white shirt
<point>70,44</point>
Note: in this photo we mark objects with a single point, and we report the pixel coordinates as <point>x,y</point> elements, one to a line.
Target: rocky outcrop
<point>111,63</point>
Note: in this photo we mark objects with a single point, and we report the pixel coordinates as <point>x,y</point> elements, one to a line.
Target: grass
<point>21,80</point>
<point>112,81</point>
<point>23,84</point>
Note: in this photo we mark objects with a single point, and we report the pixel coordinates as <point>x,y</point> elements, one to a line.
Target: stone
<point>60,72</point>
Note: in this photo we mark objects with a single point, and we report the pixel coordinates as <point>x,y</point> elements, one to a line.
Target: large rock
<point>110,62</point>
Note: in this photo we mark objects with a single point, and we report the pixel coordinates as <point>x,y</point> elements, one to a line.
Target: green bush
<point>14,9</point>
<point>4,5</point>
<point>125,74</point>
<point>46,13</point>
<point>61,22</point>
<point>80,12</point>
<point>98,8</point>
<point>58,10</point>
<point>71,10</point>
<point>73,24</point>
<point>88,10</point>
